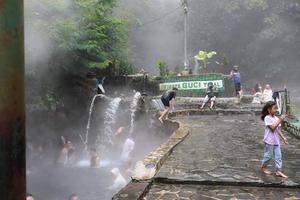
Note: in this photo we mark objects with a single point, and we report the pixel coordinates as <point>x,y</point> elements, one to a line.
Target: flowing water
<point>90,115</point>
<point>133,108</point>
<point>157,104</point>
<point>54,182</point>
<point>109,121</point>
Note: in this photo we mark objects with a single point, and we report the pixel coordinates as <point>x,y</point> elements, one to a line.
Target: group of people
<point>262,96</point>
<point>272,133</point>
<point>168,97</point>
<point>272,123</point>
<point>122,149</point>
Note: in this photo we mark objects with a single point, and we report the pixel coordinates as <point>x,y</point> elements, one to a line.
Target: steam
<point>156,32</point>
<point>235,34</point>
<point>110,120</point>
<point>133,108</point>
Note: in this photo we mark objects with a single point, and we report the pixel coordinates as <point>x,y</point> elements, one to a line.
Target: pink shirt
<point>271,137</point>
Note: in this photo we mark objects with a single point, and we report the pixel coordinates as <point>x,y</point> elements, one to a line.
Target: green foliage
<point>162,66</point>
<point>172,73</point>
<point>85,29</point>
<point>204,56</point>
<point>157,78</point>
<point>259,35</point>
<point>48,102</point>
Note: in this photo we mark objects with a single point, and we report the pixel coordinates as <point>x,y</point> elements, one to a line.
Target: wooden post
<point>12,108</point>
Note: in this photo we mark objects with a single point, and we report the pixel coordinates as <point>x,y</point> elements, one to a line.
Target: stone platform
<point>220,159</point>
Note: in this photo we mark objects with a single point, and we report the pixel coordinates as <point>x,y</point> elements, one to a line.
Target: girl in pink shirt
<point>272,138</point>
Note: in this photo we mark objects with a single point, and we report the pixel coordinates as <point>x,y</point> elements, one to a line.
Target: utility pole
<point>185,9</point>
<point>12,106</point>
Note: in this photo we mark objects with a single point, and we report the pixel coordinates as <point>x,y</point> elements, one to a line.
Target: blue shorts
<point>237,87</point>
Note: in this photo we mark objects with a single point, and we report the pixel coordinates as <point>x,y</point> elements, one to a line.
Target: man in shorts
<point>167,99</point>
<point>235,75</point>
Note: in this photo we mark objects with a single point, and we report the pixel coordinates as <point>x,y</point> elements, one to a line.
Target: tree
<point>204,56</point>
<point>64,40</point>
<point>86,30</point>
<point>162,67</point>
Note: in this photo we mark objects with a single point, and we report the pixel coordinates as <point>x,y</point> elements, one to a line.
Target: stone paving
<point>220,159</point>
<point>227,149</point>
<point>202,192</point>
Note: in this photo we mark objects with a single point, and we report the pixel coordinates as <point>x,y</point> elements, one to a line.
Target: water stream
<point>133,108</point>
<point>90,115</point>
<point>157,104</point>
<point>109,121</point>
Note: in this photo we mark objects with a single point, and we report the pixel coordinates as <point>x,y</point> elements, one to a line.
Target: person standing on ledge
<point>167,99</point>
<point>235,75</point>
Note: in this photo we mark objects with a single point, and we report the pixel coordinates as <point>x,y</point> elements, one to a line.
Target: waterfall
<point>133,108</point>
<point>90,114</point>
<point>157,104</point>
<point>109,121</point>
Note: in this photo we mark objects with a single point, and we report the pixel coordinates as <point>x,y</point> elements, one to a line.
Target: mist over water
<point>266,48</point>
<point>49,124</point>
<point>49,180</point>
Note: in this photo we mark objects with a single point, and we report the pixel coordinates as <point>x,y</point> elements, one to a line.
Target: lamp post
<point>185,9</point>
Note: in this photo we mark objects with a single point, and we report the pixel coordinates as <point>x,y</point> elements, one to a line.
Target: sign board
<point>190,85</point>
<point>193,85</point>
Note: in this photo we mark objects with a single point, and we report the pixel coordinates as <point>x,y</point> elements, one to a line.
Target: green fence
<point>193,85</point>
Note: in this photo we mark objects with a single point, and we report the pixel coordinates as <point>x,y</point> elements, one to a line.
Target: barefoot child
<point>272,138</point>
<point>166,98</point>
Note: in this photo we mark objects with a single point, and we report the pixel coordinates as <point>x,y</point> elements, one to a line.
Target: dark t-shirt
<point>169,95</point>
<point>211,92</point>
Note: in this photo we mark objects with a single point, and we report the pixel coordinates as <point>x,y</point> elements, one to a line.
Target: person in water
<point>66,153</point>
<point>167,99</point>
<point>127,149</point>
<point>210,95</point>
<point>119,180</point>
<point>267,94</point>
<point>119,136</point>
<point>74,197</point>
<point>257,94</point>
<point>94,158</point>
<point>272,138</point>
<point>29,197</point>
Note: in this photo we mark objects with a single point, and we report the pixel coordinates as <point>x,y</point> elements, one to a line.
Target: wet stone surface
<point>226,150</point>
<point>197,192</point>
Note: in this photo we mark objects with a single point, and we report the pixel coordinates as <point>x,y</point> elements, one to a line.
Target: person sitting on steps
<point>210,95</point>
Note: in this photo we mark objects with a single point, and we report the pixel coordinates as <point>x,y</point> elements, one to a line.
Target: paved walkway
<point>220,159</point>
